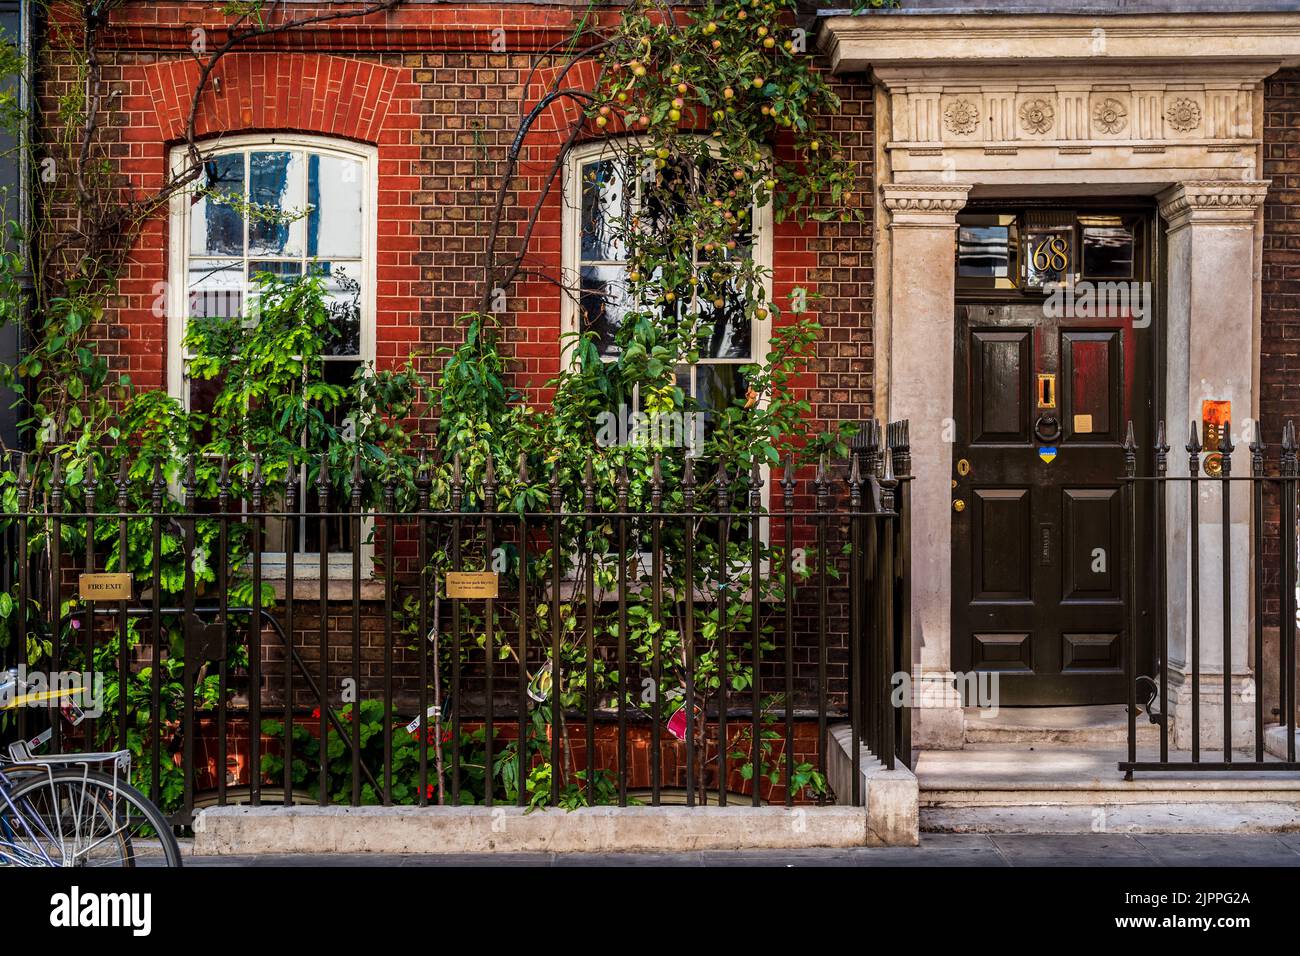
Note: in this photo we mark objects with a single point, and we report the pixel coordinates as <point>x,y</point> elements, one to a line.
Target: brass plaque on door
<point>105,587</point>
<point>1083,424</point>
<point>471,584</point>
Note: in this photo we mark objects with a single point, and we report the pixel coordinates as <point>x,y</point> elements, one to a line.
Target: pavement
<point>936,850</point>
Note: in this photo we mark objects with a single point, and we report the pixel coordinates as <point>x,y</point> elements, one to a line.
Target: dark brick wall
<point>1280,326</point>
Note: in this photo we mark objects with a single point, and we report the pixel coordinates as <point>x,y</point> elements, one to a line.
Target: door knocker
<point>1047,429</point>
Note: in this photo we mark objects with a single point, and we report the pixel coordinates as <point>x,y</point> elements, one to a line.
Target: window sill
<point>336,589</point>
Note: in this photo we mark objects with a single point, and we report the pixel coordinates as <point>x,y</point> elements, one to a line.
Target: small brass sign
<point>1083,424</point>
<point>471,584</point>
<point>105,587</point>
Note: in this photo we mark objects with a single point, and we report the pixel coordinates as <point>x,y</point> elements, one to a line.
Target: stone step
<point>1092,725</point>
<point>1056,788</point>
<point>1253,817</point>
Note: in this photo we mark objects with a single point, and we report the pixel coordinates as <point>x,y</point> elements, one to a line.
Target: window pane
<point>335,200</point>
<point>602,202</point>
<point>282,270</point>
<point>343,288</point>
<point>984,251</point>
<point>716,388</point>
<point>732,332</point>
<point>216,289</point>
<point>216,227</point>
<point>276,189</point>
<point>1107,252</point>
<point>604,303</point>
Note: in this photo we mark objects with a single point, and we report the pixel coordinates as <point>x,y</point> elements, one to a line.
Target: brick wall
<point>1280,327</point>
<point>442,122</point>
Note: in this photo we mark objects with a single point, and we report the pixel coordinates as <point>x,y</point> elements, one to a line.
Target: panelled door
<point>1038,582</point>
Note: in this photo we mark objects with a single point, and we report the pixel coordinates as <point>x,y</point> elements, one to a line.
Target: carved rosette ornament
<point>961,116</point>
<point>1183,114</point>
<point>1036,116</point>
<point>1110,116</point>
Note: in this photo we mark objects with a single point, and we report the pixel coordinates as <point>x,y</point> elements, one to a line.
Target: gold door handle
<point>959,505</point>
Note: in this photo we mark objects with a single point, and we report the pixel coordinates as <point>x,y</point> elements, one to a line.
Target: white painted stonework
<point>1039,106</point>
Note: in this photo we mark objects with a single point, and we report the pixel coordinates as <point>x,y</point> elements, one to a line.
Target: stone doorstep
<point>1086,725</point>
<point>1275,741</point>
<point>1096,818</point>
<point>223,831</point>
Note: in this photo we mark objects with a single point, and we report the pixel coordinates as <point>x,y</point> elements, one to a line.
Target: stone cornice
<point>1222,202</point>
<point>857,42</point>
<point>913,204</point>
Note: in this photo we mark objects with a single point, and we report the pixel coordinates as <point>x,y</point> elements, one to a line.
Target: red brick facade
<point>442,120</point>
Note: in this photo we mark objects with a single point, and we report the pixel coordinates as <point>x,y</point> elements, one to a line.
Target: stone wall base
<point>220,831</point>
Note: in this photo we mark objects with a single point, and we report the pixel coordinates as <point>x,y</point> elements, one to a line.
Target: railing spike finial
<point>855,482</point>
<point>423,483</point>
<point>1257,450</point>
<point>1194,450</point>
<point>157,486</point>
<point>89,481</point>
<point>1130,451</point>
<point>820,484</point>
<point>722,486</point>
<point>490,482</point>
<point>257,483</point>
<point>1290,464</point>
<point>1162,449</point>
<point>356,479</point>
<point>24,482</point>
<point>1226,446</point>
<point>123,483</point>
<point>56,484</point>
<point>755,484</point>
<point>588,486</point>
<point>291,488</point>
<point>557,493</point>
<point>788,483</point>
<point>622,487</point>
<point>688,481</point>
<point>187,485</point>
<point>657,483</point>
<point>323,483</point>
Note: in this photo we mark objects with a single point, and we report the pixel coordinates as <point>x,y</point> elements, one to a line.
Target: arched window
<point>297,205</point>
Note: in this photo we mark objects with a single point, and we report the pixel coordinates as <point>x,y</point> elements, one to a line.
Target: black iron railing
<point>1274,479</point>
<point>691,643</point>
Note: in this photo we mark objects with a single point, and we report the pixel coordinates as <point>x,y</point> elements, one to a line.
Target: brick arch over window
<point>326,95</point>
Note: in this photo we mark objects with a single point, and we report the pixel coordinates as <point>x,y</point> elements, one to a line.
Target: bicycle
<point>57,810</point>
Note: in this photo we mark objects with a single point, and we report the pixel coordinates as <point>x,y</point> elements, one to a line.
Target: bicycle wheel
<point>74,817</point>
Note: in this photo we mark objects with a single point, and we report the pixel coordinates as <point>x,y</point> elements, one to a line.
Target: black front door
<point>1042,403</point>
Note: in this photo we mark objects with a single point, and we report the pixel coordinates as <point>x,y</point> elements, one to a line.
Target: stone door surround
<point>1016,106</point>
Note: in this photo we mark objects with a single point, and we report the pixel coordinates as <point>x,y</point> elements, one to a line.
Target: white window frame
<point>571,253</point>
<point>306,564</point>
<point>571,273</point>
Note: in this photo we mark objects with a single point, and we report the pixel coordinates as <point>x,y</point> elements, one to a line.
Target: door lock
<point>959,505</point>
<point>963,467</point>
